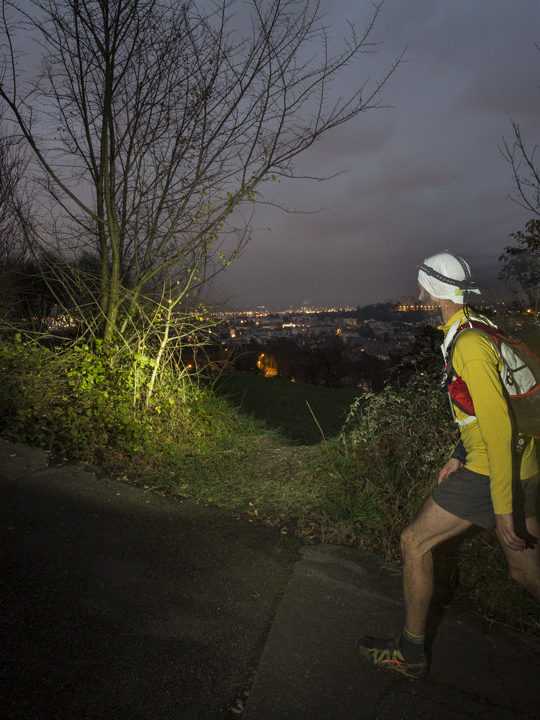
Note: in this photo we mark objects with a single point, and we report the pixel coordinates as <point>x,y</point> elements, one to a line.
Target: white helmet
<point>447,276</point>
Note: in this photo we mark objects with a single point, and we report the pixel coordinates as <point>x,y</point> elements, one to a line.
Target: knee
<point>528,576</point>
<point>517,575</point>
<point>529,579</point>
<point>408,541</point>
<point>415,544</point>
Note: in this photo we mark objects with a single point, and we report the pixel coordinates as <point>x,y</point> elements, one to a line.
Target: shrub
<point>90,404</point>
<point>391,450</point>
<point>360,489</point>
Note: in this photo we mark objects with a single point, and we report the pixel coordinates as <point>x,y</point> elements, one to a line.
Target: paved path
<point>123,604</point>
<point>310,670</point>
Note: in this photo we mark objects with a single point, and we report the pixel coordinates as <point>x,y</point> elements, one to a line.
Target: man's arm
<point>459,452</point>
<point>480,372</point>
<point>457,460</point>
<point>506,533</point>
<point>448,468</point>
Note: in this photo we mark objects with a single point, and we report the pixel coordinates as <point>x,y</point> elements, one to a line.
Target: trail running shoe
<point>386,654</point>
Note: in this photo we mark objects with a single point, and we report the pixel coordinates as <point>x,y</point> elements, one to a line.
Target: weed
<point>360,487</point>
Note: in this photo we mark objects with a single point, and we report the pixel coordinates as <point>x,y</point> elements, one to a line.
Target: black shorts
<point>466,494</point>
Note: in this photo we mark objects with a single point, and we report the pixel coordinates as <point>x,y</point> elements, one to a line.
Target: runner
<point>475,486</point>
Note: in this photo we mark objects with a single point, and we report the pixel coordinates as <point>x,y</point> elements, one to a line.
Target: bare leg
<point>524,565</point>
<point>432,526</point>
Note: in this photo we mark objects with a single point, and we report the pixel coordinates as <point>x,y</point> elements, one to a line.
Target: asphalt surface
<point>118,603</point>
<point>123,604</point>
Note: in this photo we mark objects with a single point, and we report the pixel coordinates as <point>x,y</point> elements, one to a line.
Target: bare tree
<point>13,205</point>
<point>521,264</point>
<point>521,261</point>
<point>524,161</point>
<point>150,122</point>
<point>15,227</point>
<point>526,171</point>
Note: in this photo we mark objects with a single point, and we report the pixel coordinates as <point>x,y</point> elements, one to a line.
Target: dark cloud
<point>504,93</point>
<point>424,174</point>
<point>343,146</point>
<point>405,175</point>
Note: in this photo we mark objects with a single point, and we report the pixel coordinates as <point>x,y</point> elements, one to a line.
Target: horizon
<point>423,174</point>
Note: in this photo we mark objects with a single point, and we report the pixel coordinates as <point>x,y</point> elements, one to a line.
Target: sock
<point>411,646</point>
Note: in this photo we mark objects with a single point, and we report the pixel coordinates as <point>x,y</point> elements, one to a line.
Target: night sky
<point>422,175</point>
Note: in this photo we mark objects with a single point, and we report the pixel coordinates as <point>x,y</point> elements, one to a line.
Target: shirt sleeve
<point>477,362</point>
<point>459,452</point>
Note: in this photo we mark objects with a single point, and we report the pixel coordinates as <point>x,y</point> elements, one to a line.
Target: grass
<point>283,405</point>
<point>358,487</point>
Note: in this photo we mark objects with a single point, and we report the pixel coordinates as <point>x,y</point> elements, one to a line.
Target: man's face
<point>423,295</point>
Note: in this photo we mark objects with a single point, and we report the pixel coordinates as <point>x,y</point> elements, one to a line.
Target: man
<point>475,485</point>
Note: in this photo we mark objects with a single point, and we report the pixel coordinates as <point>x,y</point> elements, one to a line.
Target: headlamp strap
<point>466,284</point>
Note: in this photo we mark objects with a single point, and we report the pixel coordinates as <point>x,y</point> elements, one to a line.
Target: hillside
<point>284,405</point>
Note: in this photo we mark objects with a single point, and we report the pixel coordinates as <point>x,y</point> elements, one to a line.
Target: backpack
<point>520,377</point>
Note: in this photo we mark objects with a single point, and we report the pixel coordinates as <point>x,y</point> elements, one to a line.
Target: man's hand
<point>451,466</point>
<point>506,533</point>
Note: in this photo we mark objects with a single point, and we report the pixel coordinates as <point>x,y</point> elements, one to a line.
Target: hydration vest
<point>519,372</point>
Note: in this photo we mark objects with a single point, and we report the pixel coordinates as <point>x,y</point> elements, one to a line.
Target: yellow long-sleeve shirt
<point>488,439</point>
